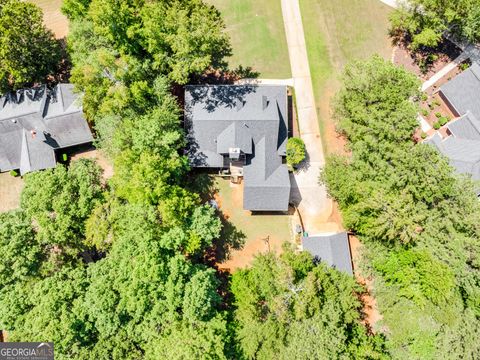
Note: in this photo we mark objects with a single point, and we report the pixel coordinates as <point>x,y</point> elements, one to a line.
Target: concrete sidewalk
<point>311,198</point>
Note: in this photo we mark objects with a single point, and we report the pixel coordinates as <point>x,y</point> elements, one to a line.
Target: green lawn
<point>258,35</point>
<point>337,32</point>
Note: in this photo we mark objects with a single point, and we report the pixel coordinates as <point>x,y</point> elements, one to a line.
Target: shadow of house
<point>244,129</point>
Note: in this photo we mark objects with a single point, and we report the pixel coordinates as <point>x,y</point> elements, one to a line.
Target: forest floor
<point>257,34</point>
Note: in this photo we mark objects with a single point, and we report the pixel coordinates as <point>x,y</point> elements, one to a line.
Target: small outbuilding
<point>333,250</point>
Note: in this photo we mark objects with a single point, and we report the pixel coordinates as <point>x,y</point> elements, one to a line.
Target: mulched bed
<point>446,52</point>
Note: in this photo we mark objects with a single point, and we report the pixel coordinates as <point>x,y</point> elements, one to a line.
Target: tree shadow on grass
<point>202,183</point>
<point>231,238</point>
<point>225,76</point>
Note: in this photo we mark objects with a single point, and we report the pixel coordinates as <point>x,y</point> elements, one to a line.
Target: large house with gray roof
<point>35,123</point>
<point>462,146</point>
<point>242,129</point>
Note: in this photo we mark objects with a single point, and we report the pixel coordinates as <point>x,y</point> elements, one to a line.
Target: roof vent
<point>265,102</point>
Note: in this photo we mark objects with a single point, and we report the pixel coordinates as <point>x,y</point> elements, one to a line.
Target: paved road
<point>312,200</point>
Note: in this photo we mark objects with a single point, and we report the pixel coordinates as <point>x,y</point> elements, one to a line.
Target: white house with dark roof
<point>462,146</point>
<point>36,122</point>
<point>243,128</point>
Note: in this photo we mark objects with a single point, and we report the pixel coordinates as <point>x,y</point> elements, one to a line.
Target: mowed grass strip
<point>258,35</point>
<point>337,32</point>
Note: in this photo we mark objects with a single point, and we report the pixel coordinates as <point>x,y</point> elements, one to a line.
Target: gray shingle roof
<point>34,122</point>
<point>463,91</point>
<point>236,135</point>
<point>252,118</point>
<point>465,127</point>
<point>463,147</point>
<point>464,154</point>
<point>334,250</point>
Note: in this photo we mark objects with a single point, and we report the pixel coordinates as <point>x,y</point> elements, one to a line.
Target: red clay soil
<point>371,315</point>
<point>99,157</point>
<point>446,53</point>
<point>241,258</point>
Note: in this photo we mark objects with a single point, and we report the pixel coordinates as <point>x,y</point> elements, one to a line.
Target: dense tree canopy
<point>290,308</point>
<point>113,270</point>
<point>116,269</point>
<point>423,22</point>
<point>120,48</point>
<point>28,51</point>
<point>418,219</point>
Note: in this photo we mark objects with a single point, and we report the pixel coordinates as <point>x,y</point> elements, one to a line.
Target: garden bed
<point>423,64</point>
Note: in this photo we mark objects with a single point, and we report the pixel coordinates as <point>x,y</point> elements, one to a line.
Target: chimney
<point>265,102</point>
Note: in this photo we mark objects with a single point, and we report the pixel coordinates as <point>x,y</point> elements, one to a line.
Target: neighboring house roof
<point>34,122</point>
<point>464,154</point>
<point>463,91</point>
<point>463,146</point>
<point>252,118</point>
<point>334,250</point>
<point>465,127</point>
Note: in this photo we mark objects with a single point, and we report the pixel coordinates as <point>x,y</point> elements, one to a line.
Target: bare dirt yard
<point>370,309</point>
<point>10,189</point>
<point>53,17</point>
<point>99,157</point>
<point>245,234</point>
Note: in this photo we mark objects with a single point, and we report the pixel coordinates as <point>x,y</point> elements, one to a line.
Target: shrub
<point>436,103</point>
<point>438,115</point>
<point>424,97</point>
<point>425,112</point>
<point>295,151</point>
<point>13,173</point>
<point>443,120</point>
<point>436,125</point>
<point>423,135</point>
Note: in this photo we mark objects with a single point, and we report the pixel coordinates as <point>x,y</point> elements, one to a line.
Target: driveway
<point>313,204</point>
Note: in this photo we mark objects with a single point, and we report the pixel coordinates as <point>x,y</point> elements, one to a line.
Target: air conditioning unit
<point>234,153</point>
